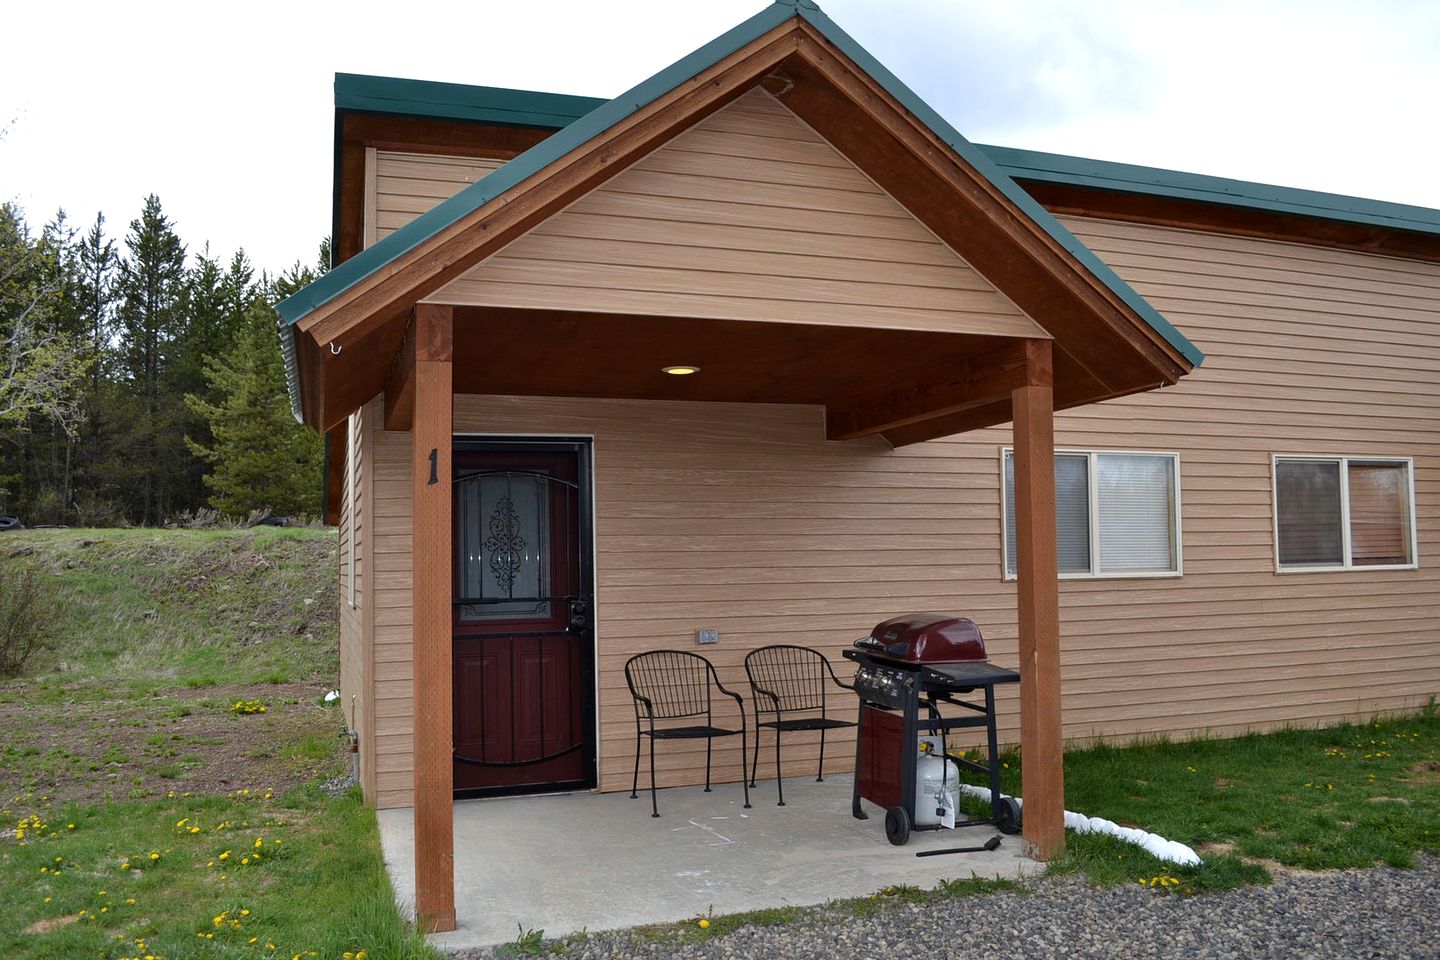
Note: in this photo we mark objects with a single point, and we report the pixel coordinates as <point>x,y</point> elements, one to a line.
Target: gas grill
<point>908,668</point>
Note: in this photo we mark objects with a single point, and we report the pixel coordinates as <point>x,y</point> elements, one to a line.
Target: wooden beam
<point>431,587</point>
<point>1038,599</point>
<point>986,415</point>
<point>400,388</point>
<point>960,385</point>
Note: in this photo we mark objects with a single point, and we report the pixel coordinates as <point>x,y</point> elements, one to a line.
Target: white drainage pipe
<point>1171,851</point>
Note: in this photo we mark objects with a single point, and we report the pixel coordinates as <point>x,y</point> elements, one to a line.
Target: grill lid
<point>928,638</point>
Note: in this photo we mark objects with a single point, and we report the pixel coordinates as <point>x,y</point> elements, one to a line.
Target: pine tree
<point>152,277</point>
<point>214,306</point>
<point>95,294</point>
<point>260,457</point>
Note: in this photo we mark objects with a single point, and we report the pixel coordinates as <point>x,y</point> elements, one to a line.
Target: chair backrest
<point>676,682</point>
<point>795,675</point>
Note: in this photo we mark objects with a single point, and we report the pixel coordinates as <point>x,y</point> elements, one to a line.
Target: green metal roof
<point>458,101</point>
<point>489,102</point>
<point>1129,178</point>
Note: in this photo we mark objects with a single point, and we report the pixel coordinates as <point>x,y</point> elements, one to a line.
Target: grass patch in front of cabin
<point>1346,796</point>
<point>161,633</point>
<point>249,875</point>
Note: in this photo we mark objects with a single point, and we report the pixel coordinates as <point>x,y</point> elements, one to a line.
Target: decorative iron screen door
<point>524,638</point>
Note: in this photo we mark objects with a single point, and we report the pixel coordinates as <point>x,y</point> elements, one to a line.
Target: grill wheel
<point>897,826</point>
<point>1007,816</point>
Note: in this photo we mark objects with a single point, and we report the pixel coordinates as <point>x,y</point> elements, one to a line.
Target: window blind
<point>1072,512</point>
<point>1379,514</point>
<point>1308,518</point>
<point>1136,504</point>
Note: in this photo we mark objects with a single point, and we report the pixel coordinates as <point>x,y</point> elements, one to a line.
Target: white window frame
<point>1347,564</point>
<point>1093,457</point>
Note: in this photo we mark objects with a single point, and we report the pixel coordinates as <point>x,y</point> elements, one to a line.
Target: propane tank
<point>937,785</point>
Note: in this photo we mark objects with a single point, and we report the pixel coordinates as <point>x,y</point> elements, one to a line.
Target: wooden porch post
<point>1042,771</point>
<point>431,344</point>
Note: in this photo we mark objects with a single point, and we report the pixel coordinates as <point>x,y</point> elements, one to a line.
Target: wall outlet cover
<point>708,636</point>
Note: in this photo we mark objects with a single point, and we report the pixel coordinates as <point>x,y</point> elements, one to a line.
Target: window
<point>1116,514</point>
<point>1340,513</point>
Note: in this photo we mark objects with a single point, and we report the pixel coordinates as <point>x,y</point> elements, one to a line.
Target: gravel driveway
<point>1358,913</point>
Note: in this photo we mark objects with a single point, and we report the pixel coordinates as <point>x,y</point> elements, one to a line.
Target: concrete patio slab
<point>601,862</point>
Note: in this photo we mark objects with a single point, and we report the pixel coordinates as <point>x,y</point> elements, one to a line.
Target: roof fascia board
<point>372,258</point>
<point>1001,180</point>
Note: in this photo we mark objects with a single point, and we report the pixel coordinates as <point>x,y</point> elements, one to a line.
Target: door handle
<point>579,615</point>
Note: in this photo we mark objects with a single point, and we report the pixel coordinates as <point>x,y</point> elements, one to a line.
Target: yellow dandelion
<point>154,856</point>
<point>704,924</point>
<point>69,826</point>
<point>245,913</point>
<point>130,900</point>
<point>245,861</point>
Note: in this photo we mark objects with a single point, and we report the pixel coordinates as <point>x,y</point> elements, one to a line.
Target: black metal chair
<point>674,685</point>
<point>788,680</point>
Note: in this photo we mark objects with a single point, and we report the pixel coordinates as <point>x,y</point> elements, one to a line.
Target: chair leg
<point>779,776</point>
<point>745,784</point>
<point>709,744</point>
<point>755,757</point>
<point>635,780</point>
<point>820,770</point>
<point>654,806</point>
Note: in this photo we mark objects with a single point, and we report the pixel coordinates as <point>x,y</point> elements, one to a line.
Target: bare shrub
<point>96,510</point>
<point>201,518</point>
<point>26,618</point>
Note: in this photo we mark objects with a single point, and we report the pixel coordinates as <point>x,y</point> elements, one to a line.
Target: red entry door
<point>523,637</point>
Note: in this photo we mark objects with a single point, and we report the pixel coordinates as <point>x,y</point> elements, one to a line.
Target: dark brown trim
<point>1103,204</point>
<point>337,443</point>
<point>400,388</point>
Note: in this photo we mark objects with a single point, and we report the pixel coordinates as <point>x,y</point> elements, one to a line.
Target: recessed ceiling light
<point>681,369</point>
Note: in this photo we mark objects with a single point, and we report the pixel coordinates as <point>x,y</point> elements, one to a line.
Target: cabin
<point>764,349</point>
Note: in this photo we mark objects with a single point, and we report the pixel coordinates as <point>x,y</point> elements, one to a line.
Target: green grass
<point>1352,795</point>
<point>134,700</point>
<point>319,884</point>
<point>156,608</point>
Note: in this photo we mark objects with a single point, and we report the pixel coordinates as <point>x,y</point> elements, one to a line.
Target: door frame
<point>583,446</point>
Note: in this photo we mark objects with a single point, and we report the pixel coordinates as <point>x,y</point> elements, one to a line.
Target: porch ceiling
<point>579,354</point>
<point>905,384</point>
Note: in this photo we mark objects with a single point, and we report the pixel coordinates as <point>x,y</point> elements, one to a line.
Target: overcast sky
<point>228,117</point>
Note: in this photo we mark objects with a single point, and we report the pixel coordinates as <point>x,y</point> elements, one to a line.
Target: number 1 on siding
<point>434,455</point>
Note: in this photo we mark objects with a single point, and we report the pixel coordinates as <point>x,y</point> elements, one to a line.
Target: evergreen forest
<point>142,380</point>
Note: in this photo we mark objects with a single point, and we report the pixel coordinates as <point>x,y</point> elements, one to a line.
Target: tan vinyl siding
<point>748,216</point>
<point>404,185</point>
<point>743,519</point>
